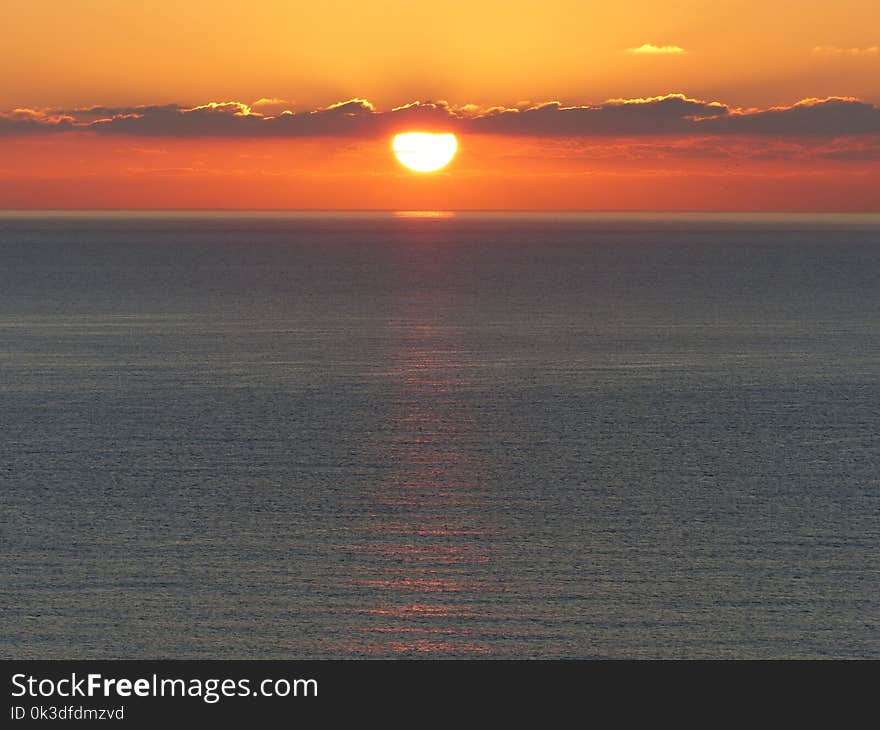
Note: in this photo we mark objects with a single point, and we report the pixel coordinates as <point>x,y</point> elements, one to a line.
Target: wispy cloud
<point>838,51</point>
<point>272,106</point>
<point>649,49</point>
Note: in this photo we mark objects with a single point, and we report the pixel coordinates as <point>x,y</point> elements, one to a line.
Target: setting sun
<point>423,151</point>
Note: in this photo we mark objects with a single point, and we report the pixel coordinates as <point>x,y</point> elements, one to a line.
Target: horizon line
<point>454,211</point>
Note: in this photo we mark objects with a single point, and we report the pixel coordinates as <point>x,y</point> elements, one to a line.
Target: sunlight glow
<point>424,151</point>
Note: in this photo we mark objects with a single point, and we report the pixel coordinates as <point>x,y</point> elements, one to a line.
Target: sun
<point>424,151</point>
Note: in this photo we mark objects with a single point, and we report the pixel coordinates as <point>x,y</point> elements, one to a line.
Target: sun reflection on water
<point>428,532</point>
<point>424,214</point>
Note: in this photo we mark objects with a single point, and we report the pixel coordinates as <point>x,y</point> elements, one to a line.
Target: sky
<point>557,104</point>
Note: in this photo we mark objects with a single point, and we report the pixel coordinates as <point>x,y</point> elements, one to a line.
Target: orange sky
<point>59,57</point>
<point>72,171</point>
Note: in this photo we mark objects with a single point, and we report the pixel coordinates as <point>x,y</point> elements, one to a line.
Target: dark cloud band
<point>672,114</point>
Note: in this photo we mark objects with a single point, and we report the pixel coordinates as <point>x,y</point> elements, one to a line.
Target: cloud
<point>852,150</point>
<point>838,51</point>
<point>656,115</point>
<point>271,105</point>
<point>830,117</point>
<point>669,114</point>
<point>649,49</point>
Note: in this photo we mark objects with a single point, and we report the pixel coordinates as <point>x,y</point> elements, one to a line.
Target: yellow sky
<point>748,53</point>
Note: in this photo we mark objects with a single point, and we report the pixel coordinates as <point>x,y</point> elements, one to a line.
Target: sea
<point>426,434</point>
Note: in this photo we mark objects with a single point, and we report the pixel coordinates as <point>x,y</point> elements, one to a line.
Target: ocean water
<point>473,435</point>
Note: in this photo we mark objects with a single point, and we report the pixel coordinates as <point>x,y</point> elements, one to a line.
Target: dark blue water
<point>291,436</point>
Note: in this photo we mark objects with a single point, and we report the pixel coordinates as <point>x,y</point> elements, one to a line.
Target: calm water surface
<point>296,436</point>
